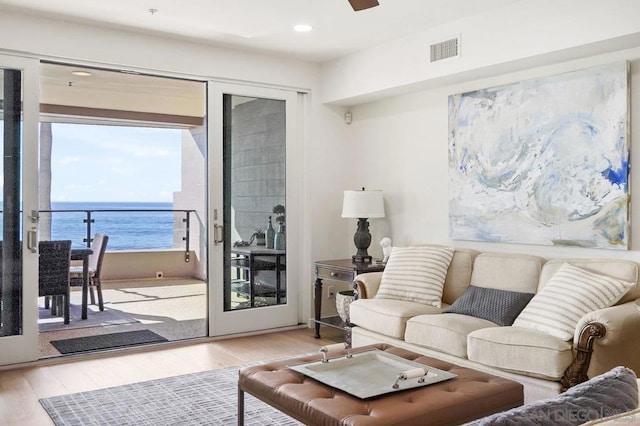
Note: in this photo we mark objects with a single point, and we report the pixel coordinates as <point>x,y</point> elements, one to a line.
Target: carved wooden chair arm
<point>577,372</point>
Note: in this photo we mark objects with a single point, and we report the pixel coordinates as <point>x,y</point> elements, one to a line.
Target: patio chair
<point>99,247</point>
<point>53,266</point>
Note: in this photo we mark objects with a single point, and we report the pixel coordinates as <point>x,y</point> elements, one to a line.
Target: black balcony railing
<point>128,229</point>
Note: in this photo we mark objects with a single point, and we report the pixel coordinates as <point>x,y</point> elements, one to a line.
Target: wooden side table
<point>342,270</point>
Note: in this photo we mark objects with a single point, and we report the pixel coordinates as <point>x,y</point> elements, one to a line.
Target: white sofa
<point>543,363</point>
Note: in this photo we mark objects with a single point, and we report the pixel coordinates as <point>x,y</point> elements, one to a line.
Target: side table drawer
<point>332,274</point>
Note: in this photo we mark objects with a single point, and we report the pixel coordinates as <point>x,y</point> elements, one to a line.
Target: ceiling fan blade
<point>363,4</point>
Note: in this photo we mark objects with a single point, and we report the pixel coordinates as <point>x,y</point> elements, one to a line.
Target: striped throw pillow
<point>570,294</point>
<point>415,274</point>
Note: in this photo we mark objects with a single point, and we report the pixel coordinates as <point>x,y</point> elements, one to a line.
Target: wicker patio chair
<point>54,262</point>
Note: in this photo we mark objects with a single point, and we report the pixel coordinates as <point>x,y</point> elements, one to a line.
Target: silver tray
<point>371,373</point>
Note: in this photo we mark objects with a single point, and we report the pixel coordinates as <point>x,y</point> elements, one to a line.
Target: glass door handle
<point>218,233</point>
<point>32,241</point>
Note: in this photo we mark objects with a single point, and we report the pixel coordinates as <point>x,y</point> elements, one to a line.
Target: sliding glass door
<point>18,171</point>
<point>255,203</point>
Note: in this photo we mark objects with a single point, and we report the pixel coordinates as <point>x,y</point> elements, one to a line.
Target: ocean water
<point>134,230</point>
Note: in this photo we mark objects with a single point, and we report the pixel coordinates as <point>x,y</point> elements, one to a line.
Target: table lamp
<point>362,205</point>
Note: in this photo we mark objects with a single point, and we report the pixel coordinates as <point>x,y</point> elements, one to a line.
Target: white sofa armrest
<point>366,285</point>
<point>622,322</point>
<point>607,338</point>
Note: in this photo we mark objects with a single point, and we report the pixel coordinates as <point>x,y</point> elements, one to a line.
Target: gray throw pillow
<point>613,392</point>
<point>498,306</point>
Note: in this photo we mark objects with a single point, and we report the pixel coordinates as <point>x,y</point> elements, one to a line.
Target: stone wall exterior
<point>258,164</point>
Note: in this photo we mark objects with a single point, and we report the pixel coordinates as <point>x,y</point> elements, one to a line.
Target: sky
<point>113,163</point>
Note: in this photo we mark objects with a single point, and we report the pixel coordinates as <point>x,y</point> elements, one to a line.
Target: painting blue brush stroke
<point>542,161</point>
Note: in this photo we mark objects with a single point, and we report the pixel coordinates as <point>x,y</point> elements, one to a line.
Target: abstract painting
<point>543,161</point>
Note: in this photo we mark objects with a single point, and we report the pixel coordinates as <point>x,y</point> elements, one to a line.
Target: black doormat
<point>107,341</point>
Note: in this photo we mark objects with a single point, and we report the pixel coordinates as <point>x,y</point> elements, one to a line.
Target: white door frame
<point>24,347</point>
<point>269,317</point>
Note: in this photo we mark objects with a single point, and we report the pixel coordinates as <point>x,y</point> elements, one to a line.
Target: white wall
<point>402,144</point>
<point>398,139</point>
<point>193,196</point>
<point>519,36</point>
<point>144,264</point>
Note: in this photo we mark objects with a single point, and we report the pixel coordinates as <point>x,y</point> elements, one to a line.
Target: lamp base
<point>361,260</point>
<point>362,240</point>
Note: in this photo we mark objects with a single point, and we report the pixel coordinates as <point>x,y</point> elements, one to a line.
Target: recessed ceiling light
<point>303,28</point>
<point>82,73</point>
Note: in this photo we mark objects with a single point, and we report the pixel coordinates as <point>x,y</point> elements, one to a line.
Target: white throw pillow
<point>415,274</point>
<point>570,294</point>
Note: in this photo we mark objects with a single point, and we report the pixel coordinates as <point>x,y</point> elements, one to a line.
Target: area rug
<point>206,398</point>
<point>95,318</point>
<point>107,341</point>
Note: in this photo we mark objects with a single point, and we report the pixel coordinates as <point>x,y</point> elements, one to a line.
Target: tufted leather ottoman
<point>469,396</point>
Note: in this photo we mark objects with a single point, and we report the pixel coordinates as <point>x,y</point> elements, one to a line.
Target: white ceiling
<point>266,25</point>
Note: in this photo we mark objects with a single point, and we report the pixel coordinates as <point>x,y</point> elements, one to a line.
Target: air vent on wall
<point>445,49</point>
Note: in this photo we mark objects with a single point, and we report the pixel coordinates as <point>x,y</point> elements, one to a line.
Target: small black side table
<point>252,259</point>
<point>342,270</point>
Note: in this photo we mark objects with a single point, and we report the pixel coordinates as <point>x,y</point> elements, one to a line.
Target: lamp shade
<point>363,204</point>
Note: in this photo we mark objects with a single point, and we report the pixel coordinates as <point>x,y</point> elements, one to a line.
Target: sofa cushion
<point>444,333</point>
<point>415,274</point>
<point>529,352</point>
<point>507,271</point>
<point>622,269</point>
<point>571,293</point>
<point>613,392</point>
<point>498,306</point>
<point>459,274</point>
<point>387,316</point>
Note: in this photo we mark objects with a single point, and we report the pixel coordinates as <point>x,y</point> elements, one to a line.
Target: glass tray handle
<point>414,373</point>
<point>325,350</point>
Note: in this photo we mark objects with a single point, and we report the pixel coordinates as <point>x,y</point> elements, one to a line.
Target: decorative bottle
<point>271,233</point>
<point>280,241</point>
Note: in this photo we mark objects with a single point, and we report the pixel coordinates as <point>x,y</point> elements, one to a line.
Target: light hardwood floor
<point>21,388</point>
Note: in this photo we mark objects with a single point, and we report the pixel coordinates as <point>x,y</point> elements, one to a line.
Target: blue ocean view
<point>126,230</point>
